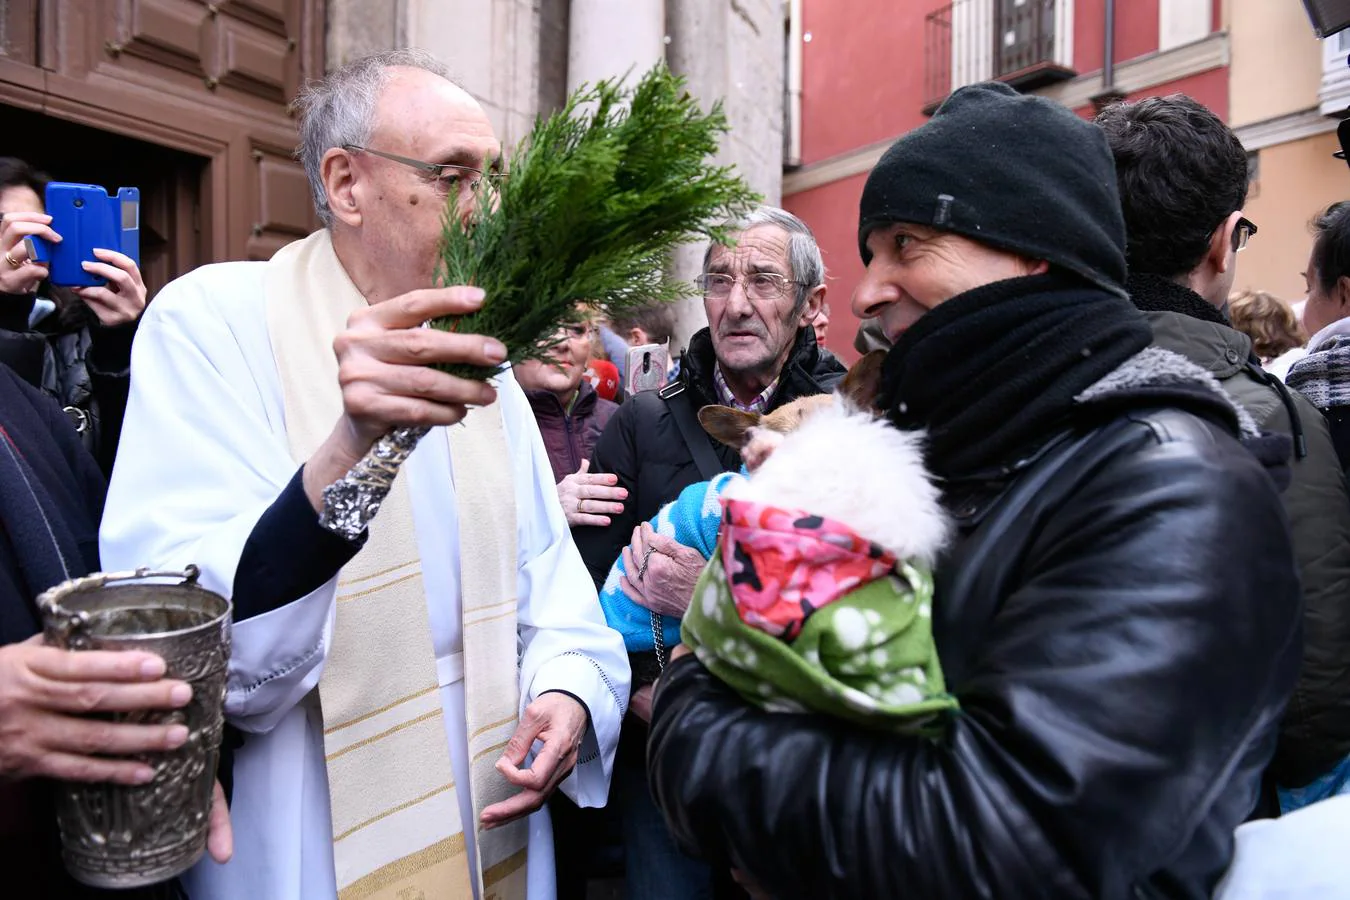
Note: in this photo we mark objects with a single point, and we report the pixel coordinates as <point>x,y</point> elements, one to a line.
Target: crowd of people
<point>1128,666</point>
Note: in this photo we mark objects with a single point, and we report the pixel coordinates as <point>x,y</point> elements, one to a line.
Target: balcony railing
<point>1027,43</point>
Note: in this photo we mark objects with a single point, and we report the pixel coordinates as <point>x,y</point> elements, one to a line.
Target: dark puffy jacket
<point>83,366</point>
<point>1315,734</point>
<point>643,446</point>
<point>68,489</point>
<point>1119,618</point>
<point>569,437</point>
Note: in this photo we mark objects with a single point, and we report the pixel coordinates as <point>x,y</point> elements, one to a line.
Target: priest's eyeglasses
<point>758,285</point>
<point>1242,233</point>
<point>448,175</point>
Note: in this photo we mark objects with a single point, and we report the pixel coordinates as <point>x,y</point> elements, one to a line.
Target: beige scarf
<point>397,831</point>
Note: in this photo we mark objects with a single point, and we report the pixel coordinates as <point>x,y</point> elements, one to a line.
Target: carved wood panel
<point>285,210</point>
<point>18,30</point>
<point>214,79</point>
<point>237,50</point>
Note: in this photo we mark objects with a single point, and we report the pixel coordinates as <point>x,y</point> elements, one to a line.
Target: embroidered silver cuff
<point>351,502</point>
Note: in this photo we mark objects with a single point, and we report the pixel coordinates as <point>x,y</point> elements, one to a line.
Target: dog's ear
<point>730,426</point>
<point>863,382</point>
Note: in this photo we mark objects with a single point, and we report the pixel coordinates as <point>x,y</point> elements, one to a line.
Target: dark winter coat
<point>72,358</point>
<point>68,489</point>
<point>569,437</point>
<point>1119,618</point>
<point>1315,734</point>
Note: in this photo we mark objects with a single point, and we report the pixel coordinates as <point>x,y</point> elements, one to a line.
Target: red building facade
<point>866,77</point>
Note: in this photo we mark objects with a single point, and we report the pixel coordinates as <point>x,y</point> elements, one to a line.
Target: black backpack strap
<point>695,438</point>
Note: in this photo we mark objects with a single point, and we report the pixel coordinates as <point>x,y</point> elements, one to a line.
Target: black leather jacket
<point>1120,621</point>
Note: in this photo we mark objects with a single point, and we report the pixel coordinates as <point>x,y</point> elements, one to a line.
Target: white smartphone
<point>647,367</point>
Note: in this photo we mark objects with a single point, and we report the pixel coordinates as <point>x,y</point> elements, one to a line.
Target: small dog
<point>817,594</point>
<point>834,455</point>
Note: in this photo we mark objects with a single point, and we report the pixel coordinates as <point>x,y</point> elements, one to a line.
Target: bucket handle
<point>67,629</point>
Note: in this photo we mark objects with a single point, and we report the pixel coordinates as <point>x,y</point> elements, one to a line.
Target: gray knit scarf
<point>1324,376</point>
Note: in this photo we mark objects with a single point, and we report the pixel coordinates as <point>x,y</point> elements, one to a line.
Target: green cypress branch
<point>597,198</point>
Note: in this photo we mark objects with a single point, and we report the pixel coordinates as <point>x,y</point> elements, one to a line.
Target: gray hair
<point>806,266</point>
<point>339,109</point>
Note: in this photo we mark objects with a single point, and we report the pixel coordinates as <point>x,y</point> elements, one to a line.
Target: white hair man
<point>410,699</point>
<point>757,354</point>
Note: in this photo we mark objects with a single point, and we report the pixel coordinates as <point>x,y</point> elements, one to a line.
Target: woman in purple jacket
<point>571,416</point>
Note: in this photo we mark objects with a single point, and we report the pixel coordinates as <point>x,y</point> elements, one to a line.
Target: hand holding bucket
<point>130,835</point>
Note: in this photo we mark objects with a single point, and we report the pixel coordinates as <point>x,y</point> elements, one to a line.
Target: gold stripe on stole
<point>428,873</point>
<point>509,720</point>
<point>332,729</point>
<point>489,751</point>
<point>348,582</point>
<point>357,595</point>
<point>507,880</point>
<point>407,804</point>
<point>435,713</point>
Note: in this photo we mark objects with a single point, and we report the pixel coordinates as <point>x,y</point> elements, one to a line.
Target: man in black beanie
<point>1183,181</point>
<point>1117,613</point>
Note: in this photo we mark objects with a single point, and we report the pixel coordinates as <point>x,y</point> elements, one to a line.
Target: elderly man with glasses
<point>1183,181</point>
<point>758,353</point>
<point>411,697</point>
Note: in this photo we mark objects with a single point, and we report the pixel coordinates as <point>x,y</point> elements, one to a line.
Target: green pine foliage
<point>597,197</point>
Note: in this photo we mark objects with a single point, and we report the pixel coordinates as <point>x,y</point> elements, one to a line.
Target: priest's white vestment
<point>204,454</point>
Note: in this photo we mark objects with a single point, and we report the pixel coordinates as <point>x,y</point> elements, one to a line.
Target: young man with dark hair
<point>1182,175</point>
<point>1321,372</point>
<point>648,325</point>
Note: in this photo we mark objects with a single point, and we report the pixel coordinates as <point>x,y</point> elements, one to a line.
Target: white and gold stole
<point>397,830</point>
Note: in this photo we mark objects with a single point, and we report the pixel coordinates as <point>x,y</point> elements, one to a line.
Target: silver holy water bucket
<point>125,836</point>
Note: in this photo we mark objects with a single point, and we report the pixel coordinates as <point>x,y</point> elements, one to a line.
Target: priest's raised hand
<point>384,369</point>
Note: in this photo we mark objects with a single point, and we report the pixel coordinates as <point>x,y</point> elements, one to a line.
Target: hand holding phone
<point>86,217</point>
<point>19,274</point>
<point>121,298</point>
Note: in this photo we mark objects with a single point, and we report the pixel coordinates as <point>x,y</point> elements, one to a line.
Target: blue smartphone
<point>87,216</point>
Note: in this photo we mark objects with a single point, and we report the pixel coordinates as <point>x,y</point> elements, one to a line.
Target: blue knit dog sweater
<point>693,519</point>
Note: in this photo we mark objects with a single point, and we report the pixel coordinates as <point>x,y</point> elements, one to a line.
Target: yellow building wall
<point>1276,60</point>
<point>1297,180</point>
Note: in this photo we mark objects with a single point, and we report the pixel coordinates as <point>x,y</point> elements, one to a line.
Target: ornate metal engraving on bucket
<point>116,836</point>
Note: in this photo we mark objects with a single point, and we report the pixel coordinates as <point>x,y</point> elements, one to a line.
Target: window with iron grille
<point>1027,43</point>
<point>1334,96</point>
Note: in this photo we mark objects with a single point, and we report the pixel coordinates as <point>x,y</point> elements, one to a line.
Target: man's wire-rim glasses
<point>759,285</point>
<point>447,174</point>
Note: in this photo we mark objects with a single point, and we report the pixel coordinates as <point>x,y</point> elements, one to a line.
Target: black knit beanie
<point>1012,171</point>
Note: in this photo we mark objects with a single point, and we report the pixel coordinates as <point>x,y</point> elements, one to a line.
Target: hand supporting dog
<point>665,572</point>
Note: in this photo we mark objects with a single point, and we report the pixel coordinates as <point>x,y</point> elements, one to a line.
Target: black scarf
<point>993,371</point>
<point>1153,293</point>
